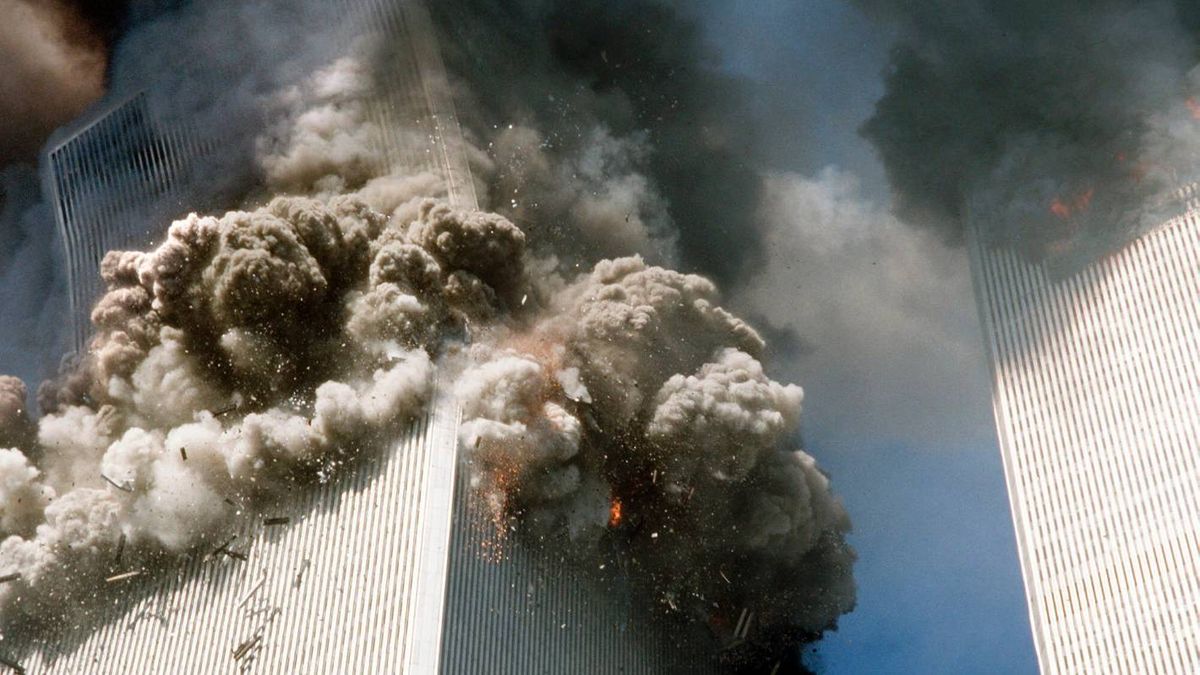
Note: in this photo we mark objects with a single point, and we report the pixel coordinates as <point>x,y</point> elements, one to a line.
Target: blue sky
<point>939,583</point>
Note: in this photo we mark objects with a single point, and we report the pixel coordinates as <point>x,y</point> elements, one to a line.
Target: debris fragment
<point>245,647</point>
<point>123,576</point>
<point>225,411</point>
<point>122,488</point>
<point>183,453</point>
<point>300,574</point>
<point>250,593</point>
<point>9,577</point>
<point>742,630</point>
<point>224,548</point>
<point>279,520</point>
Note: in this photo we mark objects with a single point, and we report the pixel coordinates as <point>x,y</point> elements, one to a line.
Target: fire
<point>614,513</point>
<point>1064,209</point>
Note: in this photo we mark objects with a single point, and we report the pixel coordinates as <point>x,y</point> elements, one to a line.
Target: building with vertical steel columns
<point>383,569</point>
<point>1096,393</point>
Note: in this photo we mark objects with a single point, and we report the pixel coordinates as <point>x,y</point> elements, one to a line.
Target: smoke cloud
<point>54,54</point>
<point>576,105</point>
<point>605,400</point>
<point>1060,127</point>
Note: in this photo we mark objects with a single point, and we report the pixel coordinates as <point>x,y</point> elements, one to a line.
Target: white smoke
<point>890,344</point>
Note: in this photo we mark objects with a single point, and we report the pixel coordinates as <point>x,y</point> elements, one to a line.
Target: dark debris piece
<point>245,647</point>
<point>122,488</point>
<point>224,548</point>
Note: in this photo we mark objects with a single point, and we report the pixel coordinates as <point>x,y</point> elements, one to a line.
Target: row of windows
<point>1097,441</point>
<point>110,181</point>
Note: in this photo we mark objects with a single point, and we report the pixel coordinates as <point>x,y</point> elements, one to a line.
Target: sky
<point>888,350</point>
<point>905,432</point>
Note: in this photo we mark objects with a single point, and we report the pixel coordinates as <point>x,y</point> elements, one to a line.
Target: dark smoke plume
<point>1055,125</point>
<point>606,397</point>
<point>613,115</point>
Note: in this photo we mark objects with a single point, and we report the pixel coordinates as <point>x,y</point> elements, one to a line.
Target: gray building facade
<point>1096,388</point>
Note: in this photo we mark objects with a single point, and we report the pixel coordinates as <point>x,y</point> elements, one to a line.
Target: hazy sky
<point>898,407</point>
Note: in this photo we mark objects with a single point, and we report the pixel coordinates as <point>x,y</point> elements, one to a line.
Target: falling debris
<point>225,550</point>
<point>300,573</point>
<point>279,520</point>
<point>250,593</point>
<point>123,576</point>
<point>120,550</point>
<point>122,488</point>
<point>9,577</point>
<point>742,630</point>
<point>183,453</point>
<point>245,647</point>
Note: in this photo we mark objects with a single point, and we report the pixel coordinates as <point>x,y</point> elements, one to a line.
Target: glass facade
<point>1096,393</point>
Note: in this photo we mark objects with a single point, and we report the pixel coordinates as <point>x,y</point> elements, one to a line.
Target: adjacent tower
<point>1096,393</point>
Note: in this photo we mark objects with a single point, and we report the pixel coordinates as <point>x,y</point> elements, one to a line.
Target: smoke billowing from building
<point>606,400</point>
<point>1059,125</point>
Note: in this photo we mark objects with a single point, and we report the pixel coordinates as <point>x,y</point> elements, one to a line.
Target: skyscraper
<point>381,569</point>
<point>1096,390</point>
<point>110,180</point>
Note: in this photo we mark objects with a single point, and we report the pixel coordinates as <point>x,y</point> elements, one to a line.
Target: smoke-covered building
<point>1096,383</point>
<point>111,180</point>
<point>385,567</point>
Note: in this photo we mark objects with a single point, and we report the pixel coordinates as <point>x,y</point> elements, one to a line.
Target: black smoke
<point>1059,125</point>
<point>630,67</point>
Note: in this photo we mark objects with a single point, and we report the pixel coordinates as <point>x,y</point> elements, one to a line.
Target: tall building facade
<point>384,569</point>
<point>118,175</point>
<point>1096,393</point>
<point>110,181</point>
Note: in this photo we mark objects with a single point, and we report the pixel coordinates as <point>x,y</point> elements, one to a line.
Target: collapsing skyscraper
<point>1096,382</point>
<point>381,568</point>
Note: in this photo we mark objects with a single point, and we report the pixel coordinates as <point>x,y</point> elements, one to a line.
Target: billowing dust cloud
<point>256,352</point>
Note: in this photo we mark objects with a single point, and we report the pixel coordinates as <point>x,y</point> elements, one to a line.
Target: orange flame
<point>614,513</point>
<point>1064,209</point>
